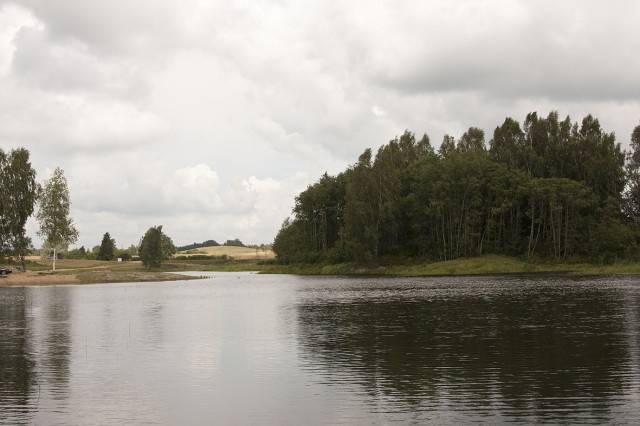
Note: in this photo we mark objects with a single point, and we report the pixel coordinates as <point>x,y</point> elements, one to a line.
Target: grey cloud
<point>208,116</point>
<point>573,51</point>
<point>111,27</point>
<point>71,67</point>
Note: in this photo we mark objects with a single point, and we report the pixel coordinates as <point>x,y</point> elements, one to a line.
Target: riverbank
<point>92,272</point>
<point>87,272</point>
<point>483,265</point>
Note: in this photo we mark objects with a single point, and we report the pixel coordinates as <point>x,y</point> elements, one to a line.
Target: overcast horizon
<point>209,117</point>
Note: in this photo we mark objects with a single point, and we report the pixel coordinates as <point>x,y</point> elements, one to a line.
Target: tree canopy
<point>155,247</point>
<point>18,195</point>
<point>549,188</point>
<point>107,249</point>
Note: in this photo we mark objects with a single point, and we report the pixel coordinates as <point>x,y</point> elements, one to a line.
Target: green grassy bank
<point>484,265</point>
<point>87,272</point>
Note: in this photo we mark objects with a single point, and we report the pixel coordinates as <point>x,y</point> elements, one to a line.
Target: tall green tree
<point>19,191</point>
<point>362,212</point>
<point>155,247</point>
<point>447,147</point>
<point>107,248</point>
<point>632,169</point>
<point>472,141</point>
<point>56,226</point>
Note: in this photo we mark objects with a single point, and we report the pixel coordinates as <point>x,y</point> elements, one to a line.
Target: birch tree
<point>56,227</point>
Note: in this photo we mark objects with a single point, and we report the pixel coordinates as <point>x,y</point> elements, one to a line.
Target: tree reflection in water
<point>535,351</point>
<point>35,348</point>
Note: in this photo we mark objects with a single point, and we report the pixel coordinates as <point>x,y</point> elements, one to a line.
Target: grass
<point>483,265</point>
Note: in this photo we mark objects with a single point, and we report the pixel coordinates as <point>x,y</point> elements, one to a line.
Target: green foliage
<point>291,243</point>
<point>56,227</point>
<point>550,189</point>
<point>19,192</point>
<point>632,191</point>
<point>472,141</point>
<point>107,249</point>
<point>78,253</point>
<point>155,247</point>
<point>168,248</point>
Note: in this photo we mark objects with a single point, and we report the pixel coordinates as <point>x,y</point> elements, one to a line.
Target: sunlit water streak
<point>240,348</point>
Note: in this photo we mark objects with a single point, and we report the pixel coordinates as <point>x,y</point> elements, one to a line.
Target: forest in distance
<point>549,189</point>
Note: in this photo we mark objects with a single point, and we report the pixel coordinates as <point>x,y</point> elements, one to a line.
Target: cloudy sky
<point>208,116</point>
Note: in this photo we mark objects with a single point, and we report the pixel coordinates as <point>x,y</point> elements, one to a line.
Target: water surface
<point>241,348</point>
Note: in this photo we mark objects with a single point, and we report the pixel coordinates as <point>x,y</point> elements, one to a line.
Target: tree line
<point>550,188</point>
<point>20,194</point>
<point>154,247</point>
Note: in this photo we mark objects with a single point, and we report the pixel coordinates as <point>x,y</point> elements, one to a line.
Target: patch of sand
<point>34,278</point>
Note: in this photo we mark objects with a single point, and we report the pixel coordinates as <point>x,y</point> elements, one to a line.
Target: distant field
<point>240,253</point>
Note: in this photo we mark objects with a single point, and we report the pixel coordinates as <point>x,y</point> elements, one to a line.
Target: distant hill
<point>208,243</point>
<point>237,253</point>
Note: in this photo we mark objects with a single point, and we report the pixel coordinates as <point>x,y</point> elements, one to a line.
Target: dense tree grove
<point>550,188</point>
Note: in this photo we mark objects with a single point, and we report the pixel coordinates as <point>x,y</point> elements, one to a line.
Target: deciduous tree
<point>56,227</point>
<point>18,195</point>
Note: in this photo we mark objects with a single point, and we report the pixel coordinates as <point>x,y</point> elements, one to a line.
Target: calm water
<point>259,349</point>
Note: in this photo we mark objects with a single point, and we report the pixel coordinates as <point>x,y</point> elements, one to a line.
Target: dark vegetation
<point>549,189</point>
<point>234,243</point>
<point>18,194</point>
<point>107,249</point>
<point>208,243</point>
<point>155,247</point>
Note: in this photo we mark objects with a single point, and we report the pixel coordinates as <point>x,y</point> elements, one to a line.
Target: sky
<point>208,117</point>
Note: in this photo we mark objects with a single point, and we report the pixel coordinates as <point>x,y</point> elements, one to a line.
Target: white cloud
<point>377,111</point>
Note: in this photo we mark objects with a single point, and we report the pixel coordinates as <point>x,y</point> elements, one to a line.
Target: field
<point>238,253</point>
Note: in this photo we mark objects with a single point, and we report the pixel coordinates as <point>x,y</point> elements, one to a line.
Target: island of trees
<point>549,188</point>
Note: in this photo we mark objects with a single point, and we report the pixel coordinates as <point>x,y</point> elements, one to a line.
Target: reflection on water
<point>528,351</point>
<point>252,349</point>
<point>16,378</point>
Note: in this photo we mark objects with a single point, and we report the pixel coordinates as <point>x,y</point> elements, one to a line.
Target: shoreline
<point>44,279</point>
<point>489,265</point>
<point>113,272</point>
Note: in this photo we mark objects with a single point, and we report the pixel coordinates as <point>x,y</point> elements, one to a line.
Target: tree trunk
<point>533,214</point>
<point>566,232</point>
<point>54,259</point>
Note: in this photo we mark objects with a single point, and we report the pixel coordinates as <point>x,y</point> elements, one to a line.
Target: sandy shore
<point>36,278</point>
<point>30,278</point>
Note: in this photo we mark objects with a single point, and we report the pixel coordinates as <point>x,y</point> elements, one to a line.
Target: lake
<point>240,348</point>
